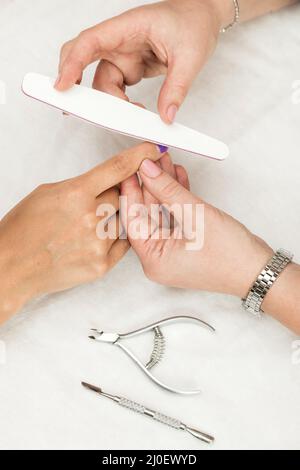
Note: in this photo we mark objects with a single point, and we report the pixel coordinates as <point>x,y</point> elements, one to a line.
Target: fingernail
<point>149,168</point>
<point>163,148</point>
<point>57,81</point>
<point>171,113</point>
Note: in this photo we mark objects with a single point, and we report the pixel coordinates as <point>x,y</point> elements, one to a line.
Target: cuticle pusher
<point>138,408</point>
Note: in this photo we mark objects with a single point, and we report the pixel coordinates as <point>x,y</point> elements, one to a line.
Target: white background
<point>251,389</point>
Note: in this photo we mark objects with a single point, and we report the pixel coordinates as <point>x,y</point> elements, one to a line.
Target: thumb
<point>163,187</point>
<point>115,170</point>
<point>180,76</point>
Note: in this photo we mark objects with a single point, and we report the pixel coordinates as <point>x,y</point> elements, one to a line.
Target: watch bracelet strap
<point>236,19</point>
<point>265,280</point>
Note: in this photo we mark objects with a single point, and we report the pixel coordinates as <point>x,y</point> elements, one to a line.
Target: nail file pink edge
<point>120,116</point>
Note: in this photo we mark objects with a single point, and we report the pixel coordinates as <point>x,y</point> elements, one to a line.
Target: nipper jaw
<point>104,337</point>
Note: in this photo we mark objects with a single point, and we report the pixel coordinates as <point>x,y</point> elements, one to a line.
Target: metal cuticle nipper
<point>158,347</point>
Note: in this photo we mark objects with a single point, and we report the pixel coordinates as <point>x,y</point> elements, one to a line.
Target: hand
<point>48,242</point>
<point>173,37</point>
<point>229,260</point>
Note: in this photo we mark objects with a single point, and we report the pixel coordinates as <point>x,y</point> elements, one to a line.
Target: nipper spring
<point>158,349</point>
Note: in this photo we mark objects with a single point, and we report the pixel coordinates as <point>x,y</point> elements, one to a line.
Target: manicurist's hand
<point>199,247</point>
<point>56,239</point>
<point>173,37</point>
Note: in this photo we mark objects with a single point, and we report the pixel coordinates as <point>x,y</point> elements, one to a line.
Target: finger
<point>117,252</point>
<point>164,219</point>
<point>114,230</point>
<point>135,217</point>
<point>167,165</point>
<point>180,76</point>
<point>165,188</point>
<point>144,233</point>
<point>182,176</point>
<point>91,45</point>
<point>64,52</point>
<point>117,169</point>
<point>121,68</point>
<point>111,197</point>
<point>109,79</point>
<point>148,197</point>
<point>140,105</point>
<point>109,227</point>
<point>131,193</point>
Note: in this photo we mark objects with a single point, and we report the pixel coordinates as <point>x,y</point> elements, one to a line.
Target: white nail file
<point>120,116</point>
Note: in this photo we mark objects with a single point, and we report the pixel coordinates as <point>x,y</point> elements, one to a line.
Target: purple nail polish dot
<point>163,148</point>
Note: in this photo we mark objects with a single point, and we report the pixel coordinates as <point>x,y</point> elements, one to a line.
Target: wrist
<point>224,10</point>
<point>15,290</point>
<point>246,264</point>
<point>283,299</point>
<point>230,264</point>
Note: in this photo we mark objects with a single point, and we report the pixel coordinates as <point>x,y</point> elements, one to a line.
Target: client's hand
<point>48,242</point>
<point>214,252</point>
<point>204,248</point>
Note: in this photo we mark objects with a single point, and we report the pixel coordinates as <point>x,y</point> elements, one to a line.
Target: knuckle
<point>83,35</point>
<point>148,148</point>
<point>122,163</point>
<point>74,191</point>
<point>66,46</point>
<point>44,187</point>
<point>98,250</point>
<point>180,89</point>
<point>101,269</point>
<point>89,221</point>
<point>88,37</point>
<point>150,154</point>
<point>171,190</point>
<point>99,253</point>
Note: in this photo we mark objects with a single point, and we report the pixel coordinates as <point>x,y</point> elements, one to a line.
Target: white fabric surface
<point>250,386</point>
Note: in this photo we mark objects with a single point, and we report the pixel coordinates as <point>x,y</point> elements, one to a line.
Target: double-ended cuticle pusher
<point>138,408</point>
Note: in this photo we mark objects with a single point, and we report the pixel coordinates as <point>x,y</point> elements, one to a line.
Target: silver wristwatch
<point>265,280</point>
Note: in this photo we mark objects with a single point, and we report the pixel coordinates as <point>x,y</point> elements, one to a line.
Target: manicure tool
<point>120,116</point>
<point>138,408</point>
<point>158,348</point>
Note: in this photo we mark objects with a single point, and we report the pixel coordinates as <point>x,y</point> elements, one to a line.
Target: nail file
<point>109,112</point>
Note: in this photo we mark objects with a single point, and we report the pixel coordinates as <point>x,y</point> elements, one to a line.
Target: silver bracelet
<point>265,280</point>
<point>236,17</point>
